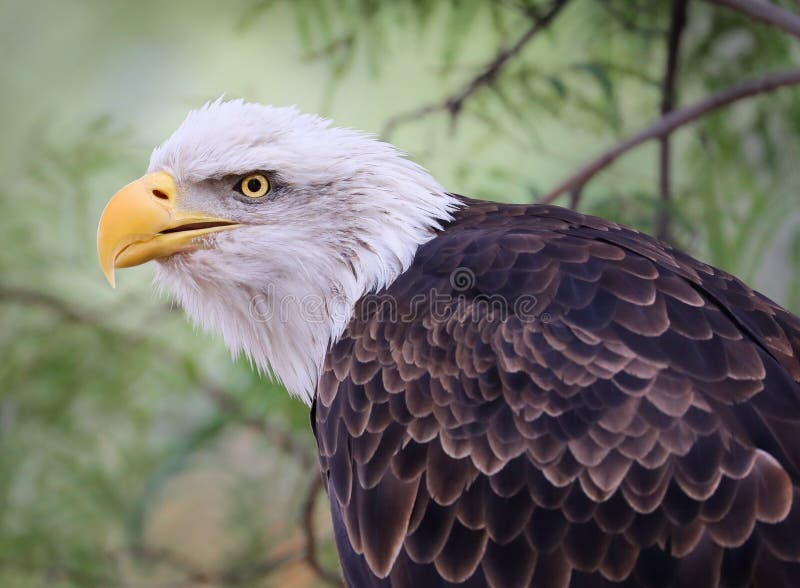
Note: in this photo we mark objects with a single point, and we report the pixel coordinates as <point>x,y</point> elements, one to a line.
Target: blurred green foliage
<point>133,452</point>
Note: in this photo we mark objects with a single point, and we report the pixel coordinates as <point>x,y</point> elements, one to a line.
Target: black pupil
<point>254,184</point>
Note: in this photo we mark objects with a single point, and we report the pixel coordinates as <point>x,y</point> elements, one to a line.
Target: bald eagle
<point>502,395</point>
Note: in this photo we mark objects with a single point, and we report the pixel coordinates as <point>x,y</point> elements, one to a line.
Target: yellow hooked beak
<point>141,222</point>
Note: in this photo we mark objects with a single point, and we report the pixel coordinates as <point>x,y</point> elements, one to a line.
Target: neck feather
<point>284,310</point>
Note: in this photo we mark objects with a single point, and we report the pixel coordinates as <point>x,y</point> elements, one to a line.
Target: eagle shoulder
<point>549,398</point>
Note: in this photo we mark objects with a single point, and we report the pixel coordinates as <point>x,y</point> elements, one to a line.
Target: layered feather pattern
<point>589,407</point>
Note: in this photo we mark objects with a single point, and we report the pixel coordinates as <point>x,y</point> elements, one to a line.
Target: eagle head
<point>267,225</point>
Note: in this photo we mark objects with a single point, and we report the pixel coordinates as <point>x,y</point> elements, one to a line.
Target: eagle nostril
<point>159,194</point>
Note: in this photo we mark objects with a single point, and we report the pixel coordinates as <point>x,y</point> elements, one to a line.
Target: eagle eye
<point>254,185</point>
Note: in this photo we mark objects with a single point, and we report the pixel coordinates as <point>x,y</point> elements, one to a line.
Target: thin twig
<point>672,121</point>
<point>454,103</point>
<point>623,17</point>
<point>766,12</point>
<point>56,574</point>
<point>575,197</point>
<point>311,556</point>
<point>224,402</point>
<point>676,27</point>
<point>194,574</point>
<point>342,43</point>
<point>247,573</point>
<point>68,313</point>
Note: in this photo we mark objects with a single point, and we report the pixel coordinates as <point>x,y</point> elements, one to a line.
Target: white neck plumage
<point>288,293</point>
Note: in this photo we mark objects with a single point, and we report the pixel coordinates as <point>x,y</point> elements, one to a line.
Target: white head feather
<point>345,217</point>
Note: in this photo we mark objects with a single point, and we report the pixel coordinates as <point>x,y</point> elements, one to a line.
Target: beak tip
<point>109,274</point>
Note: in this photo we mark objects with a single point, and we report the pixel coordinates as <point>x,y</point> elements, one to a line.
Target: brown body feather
<point>585,407</point>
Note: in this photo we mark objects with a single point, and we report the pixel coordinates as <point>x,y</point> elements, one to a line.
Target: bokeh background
<point>133,451</point>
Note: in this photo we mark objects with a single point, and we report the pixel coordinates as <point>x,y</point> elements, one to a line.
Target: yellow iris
<point>254,185</point>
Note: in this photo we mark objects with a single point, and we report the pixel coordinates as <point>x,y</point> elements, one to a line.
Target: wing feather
<point>635,422</point>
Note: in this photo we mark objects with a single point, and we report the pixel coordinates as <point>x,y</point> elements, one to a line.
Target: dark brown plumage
<point>550,399</point>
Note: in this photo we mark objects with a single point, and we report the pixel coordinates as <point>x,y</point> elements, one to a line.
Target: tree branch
<point>766,12</point>
<point>672,121</point>
<point>311,556</point>
<point>247,573</point>
<point>454,103</point>
<point>277,435</point>
<point>194,574</point>
<point>629,24</point>
<point>30,297</point>
<point>677,24</point>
